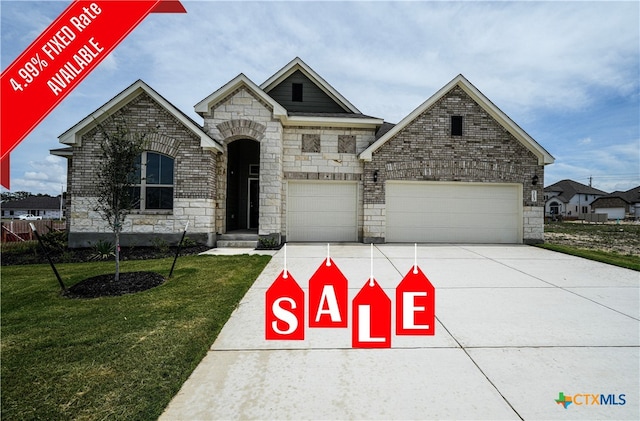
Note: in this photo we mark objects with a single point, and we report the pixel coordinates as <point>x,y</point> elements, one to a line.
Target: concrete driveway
<point>516,326</point>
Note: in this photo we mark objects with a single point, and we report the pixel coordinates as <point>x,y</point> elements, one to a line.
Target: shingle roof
<point>569,188</point>
<point>34,202</point>
<point>630,196</point>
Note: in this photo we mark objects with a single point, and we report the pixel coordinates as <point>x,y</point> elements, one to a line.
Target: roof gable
<point>500,117</point>
<point>74,134</point>
<point>569,188</point>
<point>312,98</point>
<point>239,81</point>
<point>297,65</point>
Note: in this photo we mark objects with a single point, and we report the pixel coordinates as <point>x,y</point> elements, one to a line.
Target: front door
<point>253,200</point>
<point>242,185</point>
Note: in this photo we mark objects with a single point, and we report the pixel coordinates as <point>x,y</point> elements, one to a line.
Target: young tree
<point>120,148</point>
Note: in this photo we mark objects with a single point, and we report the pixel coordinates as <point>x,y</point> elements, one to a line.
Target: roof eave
<point>367,123</point>
<point>73,136</point>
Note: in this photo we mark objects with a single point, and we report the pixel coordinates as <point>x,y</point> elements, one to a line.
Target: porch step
<point>238,244</point>
<point>238,240</point>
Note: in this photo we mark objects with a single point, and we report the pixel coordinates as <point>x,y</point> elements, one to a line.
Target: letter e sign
<point>284,309</point>
<point>415,304</point>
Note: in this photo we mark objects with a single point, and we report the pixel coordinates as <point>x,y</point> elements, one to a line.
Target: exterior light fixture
<point>375,176</point>
<point>534,180</point>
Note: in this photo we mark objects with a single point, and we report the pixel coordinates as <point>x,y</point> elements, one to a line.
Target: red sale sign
<point>328,296</point>
<point>415,304</point>
<point>284,309</point>
<point>60,58</point>
<point>371,317</point>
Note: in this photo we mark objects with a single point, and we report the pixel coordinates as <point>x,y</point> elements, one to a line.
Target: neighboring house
<point>619,204</point>
<point>293,160</point>
<point>569,198</point>
<point>45,206</point>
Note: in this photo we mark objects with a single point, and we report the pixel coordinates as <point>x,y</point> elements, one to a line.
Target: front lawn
<point>114,357</point>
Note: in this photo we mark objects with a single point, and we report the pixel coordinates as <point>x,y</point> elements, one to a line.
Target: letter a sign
<point>284,309</point>
<point>371,317</point>
<point>415,305</point>
<point>328,296</point>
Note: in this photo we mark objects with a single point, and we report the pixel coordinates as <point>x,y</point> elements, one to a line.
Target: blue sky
<point>567,72</point>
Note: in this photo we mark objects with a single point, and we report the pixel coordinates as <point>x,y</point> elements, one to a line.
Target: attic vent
<point>456,125</point>
<point>296,92</point>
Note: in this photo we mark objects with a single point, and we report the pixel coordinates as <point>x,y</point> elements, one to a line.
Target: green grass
<point>114,357</point>
<point>612,258</point>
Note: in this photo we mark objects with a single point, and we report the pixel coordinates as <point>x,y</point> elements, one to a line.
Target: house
<point>45,206</point>
<point>569,198</point>
<point>619,204</point>
<point>292,159</point>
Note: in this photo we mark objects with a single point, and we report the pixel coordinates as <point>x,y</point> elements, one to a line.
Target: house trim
<point>544,158</point>
<point>73,136</point>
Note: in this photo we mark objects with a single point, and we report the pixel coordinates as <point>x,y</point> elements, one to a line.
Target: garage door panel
<point>447,212</point>
<point>322,211</point>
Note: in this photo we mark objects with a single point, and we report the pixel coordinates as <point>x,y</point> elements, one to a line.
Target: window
<point>153,182</point>
<point>296,92</point>
<point>456,125</point>
<point>584,209</point>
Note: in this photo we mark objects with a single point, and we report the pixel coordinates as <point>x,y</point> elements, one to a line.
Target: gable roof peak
<point>74,134</point>
<point>298,64</point>
<point>489,107</point>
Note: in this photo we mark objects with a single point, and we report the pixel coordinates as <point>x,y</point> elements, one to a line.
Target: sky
<point>568,73</point>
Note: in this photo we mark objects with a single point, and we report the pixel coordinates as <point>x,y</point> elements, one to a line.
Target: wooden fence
<point>17,230</point>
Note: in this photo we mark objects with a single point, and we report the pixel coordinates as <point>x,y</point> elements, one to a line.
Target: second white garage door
<point>322,211</point>
<point>435,212</point>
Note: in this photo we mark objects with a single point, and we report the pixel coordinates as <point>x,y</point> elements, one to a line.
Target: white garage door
<point>322,211</point>
<point>612,213</point>
<point>433,212</point>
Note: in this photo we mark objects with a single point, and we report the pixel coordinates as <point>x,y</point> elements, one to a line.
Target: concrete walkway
<point>516,325</point>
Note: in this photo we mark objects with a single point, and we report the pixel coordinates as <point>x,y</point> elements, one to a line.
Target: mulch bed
<point>106,286</point>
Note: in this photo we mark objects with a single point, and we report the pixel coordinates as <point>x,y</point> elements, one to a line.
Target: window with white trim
<point>153,182</point>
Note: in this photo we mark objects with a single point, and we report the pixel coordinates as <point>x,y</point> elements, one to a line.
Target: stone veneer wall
<point>425,150</point>
<point>242,115</point>
<point>194,183</point>
<point>329,163</point>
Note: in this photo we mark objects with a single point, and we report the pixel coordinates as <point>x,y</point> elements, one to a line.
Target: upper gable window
<point>456,125</point>
<point>296,92</point>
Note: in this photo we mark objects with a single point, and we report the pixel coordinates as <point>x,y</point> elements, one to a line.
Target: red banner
<point>60,58</point>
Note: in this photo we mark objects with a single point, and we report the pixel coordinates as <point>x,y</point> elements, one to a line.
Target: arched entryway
<point>243,186</point>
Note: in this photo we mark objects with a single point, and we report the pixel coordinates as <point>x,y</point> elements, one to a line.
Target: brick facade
<point>425,150</point>
<point>332,147</point>
<point>194,182</point>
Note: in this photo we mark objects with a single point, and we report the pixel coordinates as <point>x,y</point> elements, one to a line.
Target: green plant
<point>160,244</point>
<point>267,243</point>
<point>103,250</point>
<point>55,239</point>
<point>188,242</point>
